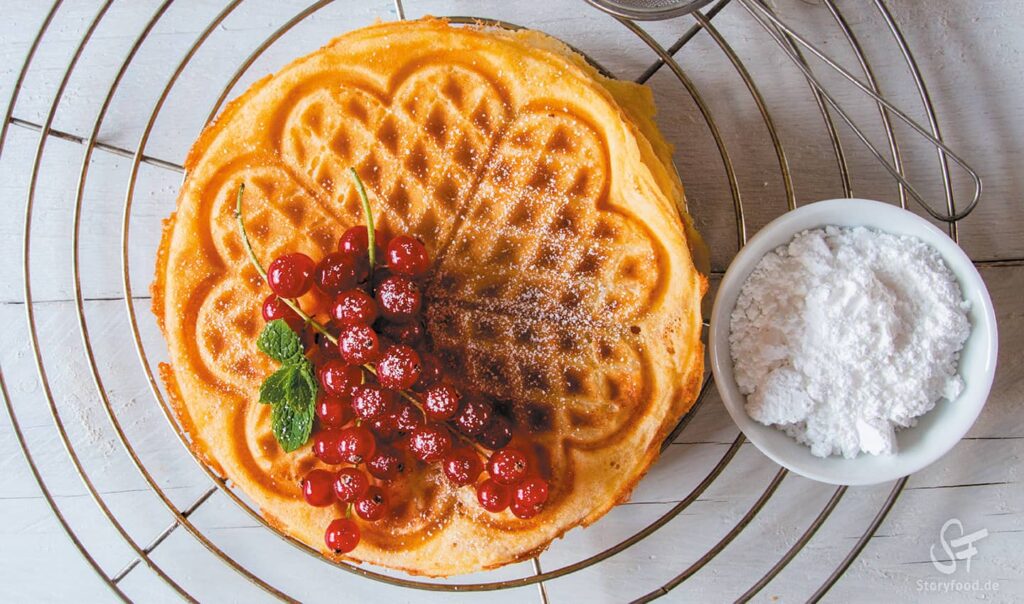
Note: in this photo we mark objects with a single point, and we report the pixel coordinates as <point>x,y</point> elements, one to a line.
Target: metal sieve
<point>648,10</point>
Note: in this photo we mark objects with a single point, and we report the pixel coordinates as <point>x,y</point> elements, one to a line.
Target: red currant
<point>349,484</point>
<point>429,443</point>
<point>275,308</point>
<point>508,466</point>
<point>354,307</point>
<point>398,368</point>
<point>355,444</point>
<point>325,446</point>
<point>441,401</point>
<point>356,242</point>
<point>332,411</point>
<point>531,491</point>
<point>492,496</point>
<point>338,378</point>
<point>370,401</point>
<point>523,511</point>
<point>407,256</point>
<point>497,433</point>
<point>358,344</point>
<point>384,427</point>
<point>385,465</point>
<point>406,418</point>
<point>404,333</point>
<point>325,347</point>
<point>337,272</point>
<point>342,535</point>
<point>462,466</point>
<point>473,416</point>
<point>316,488</point>
<point>431,373</point>
<point>399,298</point>
<point>291,275</point>
<point>373,504</point>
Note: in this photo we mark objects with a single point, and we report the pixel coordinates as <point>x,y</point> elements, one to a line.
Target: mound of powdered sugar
<point>843,336</point>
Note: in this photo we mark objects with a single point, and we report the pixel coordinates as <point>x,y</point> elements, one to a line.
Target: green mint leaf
<point>274,389</point>
<point>280,343</point>
<point>292,419</point>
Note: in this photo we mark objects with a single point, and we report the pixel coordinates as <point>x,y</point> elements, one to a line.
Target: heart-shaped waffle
<point>562,286</point>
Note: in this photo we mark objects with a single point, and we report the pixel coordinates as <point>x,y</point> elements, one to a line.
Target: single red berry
<point>441,401</point>
<point>399,298</point>
<point>317,488</point>
<point>332,411</point>
<point>508,466</point>
<point>355,444</point>
<point>384,426</point>
<point>325,347</point>
<point>407,256</point>
<point>358,344</point>
<point>406,418</point>
<point>291,275</point>
<point>473,416</point>
<point>462,466</point>
<point>354,307</point>
<point>497,433</point>
<point>349,484</point>
<point>523,511</point>
<point>337,272</point>
<point>325,446</point>
<point>398,368</point>
<point>370,401</point>
<point>373,504</point>
<point>356,242</point>
<point>492,496</point>
<point>342,535</point>
<point>429,443</point>
<point>431,373</point>
<point>275,308</point>
<point>338,378</point>
<point>404,333</point>
<point>531,491</point>
<point>385,465</point>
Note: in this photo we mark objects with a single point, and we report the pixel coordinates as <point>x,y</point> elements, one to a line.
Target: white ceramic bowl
<point>938,430</point>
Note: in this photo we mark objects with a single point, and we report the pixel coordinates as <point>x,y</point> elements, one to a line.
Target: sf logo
<point>958,548</point>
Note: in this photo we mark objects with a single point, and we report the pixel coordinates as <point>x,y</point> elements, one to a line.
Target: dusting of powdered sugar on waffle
<point>844,335</point>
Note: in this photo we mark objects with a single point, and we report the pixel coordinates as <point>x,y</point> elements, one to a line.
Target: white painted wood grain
<point>971,55</point>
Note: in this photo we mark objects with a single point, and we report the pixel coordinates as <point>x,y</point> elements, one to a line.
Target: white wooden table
<point>971,56</point>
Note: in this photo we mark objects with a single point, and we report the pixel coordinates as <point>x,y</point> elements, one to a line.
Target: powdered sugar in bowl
<point>930,323</point>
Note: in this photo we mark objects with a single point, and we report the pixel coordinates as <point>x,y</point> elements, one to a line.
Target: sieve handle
<point>773,25</point>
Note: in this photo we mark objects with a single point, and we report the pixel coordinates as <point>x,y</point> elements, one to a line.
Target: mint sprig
<point>292,418</point>
<point>279,342</point>
<point>291,390</point>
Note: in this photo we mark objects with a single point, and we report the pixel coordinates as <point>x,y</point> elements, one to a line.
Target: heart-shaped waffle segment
<point>562,286</point>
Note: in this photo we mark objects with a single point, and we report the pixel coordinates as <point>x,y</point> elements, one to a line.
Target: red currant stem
<point>371,234</point>
<point>348,511</point>
<point>245,236</point>
<point>263,273</point>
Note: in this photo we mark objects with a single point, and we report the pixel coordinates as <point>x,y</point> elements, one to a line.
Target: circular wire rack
<point>91,145</point>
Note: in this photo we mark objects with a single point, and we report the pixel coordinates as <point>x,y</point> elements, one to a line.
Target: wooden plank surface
<point>970,55</point>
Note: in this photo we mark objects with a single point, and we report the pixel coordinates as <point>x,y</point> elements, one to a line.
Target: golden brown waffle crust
<point>214,372</point>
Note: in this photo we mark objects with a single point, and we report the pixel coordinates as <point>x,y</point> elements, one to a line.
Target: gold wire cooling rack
<point>758,14</point>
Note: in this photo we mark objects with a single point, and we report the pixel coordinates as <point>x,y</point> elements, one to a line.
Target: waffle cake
<point>563,285</point>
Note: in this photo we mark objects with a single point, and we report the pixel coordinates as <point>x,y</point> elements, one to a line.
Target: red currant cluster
<point>383,398</point>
